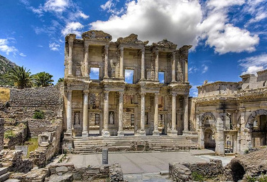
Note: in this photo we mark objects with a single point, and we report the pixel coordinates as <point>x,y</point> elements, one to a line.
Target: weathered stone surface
<point>179,172</point>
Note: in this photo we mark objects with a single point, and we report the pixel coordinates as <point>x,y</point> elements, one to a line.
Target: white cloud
<point>110,7</point>
<point>54,46</point>
<point>72,27</point>
<point>253,64</point>
<point>205,68</point>
<point>194,91</point>
<point>183,22</point>
<point>128,74</point>
<point>57,6</point>
<point>22,54</point>
<point>6,48</point>
<point>192,69</point>
<point>95,70</point>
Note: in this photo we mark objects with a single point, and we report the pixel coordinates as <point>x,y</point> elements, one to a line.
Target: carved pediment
<point>165,44</point>
<point>131,39</point>
<point>97,35</point>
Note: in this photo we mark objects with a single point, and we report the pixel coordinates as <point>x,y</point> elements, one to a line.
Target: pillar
<point>143,64</point>
<point>156,115</point>
<point>174,131</point>
<point>105,131</point>
<point>86,52</point>
<point>173,67</point>
<point>120,132</point>
<point>121,61</point>
<point>85,113</point>
<point>106,62</point>
<point>244,132</point>
<point>142,130</point>
<point>186,71</point>
<point>69,111</point>
<point>185,113</point>
<point>70,56</point>
<point>220,133</point>
<point>157,66</point>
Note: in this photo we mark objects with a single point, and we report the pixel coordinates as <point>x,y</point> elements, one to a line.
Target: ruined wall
<point>2,130</point>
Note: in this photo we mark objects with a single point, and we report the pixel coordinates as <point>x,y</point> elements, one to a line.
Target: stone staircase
<point>95,144</point>
<point>4,174</point>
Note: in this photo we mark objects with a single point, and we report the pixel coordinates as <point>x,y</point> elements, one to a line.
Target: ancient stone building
<point>124,87</point>
<point>232,116</point>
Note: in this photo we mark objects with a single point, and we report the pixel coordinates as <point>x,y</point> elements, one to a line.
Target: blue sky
<point>229,37</point>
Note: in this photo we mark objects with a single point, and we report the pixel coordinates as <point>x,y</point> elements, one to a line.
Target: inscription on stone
<point>104,156</point>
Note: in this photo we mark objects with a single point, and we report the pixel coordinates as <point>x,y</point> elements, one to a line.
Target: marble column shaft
<point>174,112</point>
<point>120,132</point>
<point>70,56</point>
<point>156,114</point>
<point>186,113</point>
<point>121,61</point>
<point>186,70</point>
<point>86,55</point>
<point>142,111</point>
<point>106,110</point>
<point>173,67</point>
<point>106,62</point>
<point>143,64</point>
<point>157,65</point>
<point>69,111</point>
<point>85,113</point>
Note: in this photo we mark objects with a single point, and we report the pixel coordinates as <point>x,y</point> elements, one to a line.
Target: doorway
<point>209,140</point>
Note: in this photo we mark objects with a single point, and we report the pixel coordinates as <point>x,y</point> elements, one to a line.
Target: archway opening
<point>259,131</point>
<point>209,140</point>
<point>237,171</point>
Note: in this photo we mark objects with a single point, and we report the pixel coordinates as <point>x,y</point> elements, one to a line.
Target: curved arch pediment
<point>253,115</point>
<point>208,119</point>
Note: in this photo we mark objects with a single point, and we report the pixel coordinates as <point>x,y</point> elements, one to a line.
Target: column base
<point>173,133</point>
<point>120,133</point>
<point>85,134</point>
<point>156,133</point>
<point>140,133</point>
<point>186,133</point>
<point>105,133</point>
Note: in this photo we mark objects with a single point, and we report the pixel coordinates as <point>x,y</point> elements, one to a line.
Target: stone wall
<point>19,134</point>
<point>2,130</point>
<point>37,126</point>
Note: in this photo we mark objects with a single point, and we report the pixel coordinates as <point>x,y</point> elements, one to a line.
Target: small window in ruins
<point>132,119</point>
<point>94,73</point>
<point>161,77</point>
<point>97,119</point>
<point>129,75</point>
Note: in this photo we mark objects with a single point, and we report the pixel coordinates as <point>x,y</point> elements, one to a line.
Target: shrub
<point>262,178</point>
<point>9,134</point>
<point>38,114</point>
<point>250,179</point>
<point>197,177</point>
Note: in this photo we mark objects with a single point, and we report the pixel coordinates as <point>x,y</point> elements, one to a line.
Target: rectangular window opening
<point>94,73</point>
<point>128,75</point>
<point>161,77</point>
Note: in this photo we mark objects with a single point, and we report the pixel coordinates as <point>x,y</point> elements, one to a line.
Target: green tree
<point>42,79</point>
<point>60,80</point>
<point>20,76</point>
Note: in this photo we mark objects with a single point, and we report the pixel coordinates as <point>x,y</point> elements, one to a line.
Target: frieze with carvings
<point>165,44</point>
<point>131,39</point>
<point>97,35</point>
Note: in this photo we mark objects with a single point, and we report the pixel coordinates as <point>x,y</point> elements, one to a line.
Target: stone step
<point>3,170</point>
<point>12,180</point>
<point>5,176</point>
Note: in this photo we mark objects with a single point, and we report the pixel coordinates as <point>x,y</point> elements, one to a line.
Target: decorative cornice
<point>97,35</point>
<point>165,44</point>
<point>131,39</point>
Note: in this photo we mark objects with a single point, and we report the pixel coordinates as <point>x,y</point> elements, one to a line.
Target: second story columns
<point>70,42</point>
<point>86,55</point>
<point>121,61</point>
<point>106,61</point>
<point>173,67</point>
<point>143,64</point>
<point>156,65</point>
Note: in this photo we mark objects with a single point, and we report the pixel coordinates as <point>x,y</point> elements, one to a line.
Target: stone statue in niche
<point>113,65</point>
<point>111,117</point>
<point>78,71</point>
<point>77,118</point>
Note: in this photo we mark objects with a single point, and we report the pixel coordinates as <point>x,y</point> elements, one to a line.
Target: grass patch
<point>9,134</point>
<point>4,94</point>
<point>32,145</point>
<point>38,114</point>
<point>197,177</point>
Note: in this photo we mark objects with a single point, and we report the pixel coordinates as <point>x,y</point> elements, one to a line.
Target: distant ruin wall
<point>37,126</point>
<point>2,130</point>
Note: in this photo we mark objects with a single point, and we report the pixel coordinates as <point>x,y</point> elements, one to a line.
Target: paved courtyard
<point>141,163</point>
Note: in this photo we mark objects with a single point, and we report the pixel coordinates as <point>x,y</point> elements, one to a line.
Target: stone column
<point>243,132</point>
<point>105,131</point>
<point>121,61</point>
<point>143,107</point>
<point>157,65</point>
<point>185,114</point>
<point>220,133</point>
<point>69,111</point>
<point>173,67</point>
<point>86,52</point>
<point>85,113</point>
<point>106,62</point>
<point>143,64</point>
<point>156,115</point>
<point>186,71</point>
<point>120,132</point>
<point>201,138</point>
<point>173,131</point>
<point>70,56</point>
